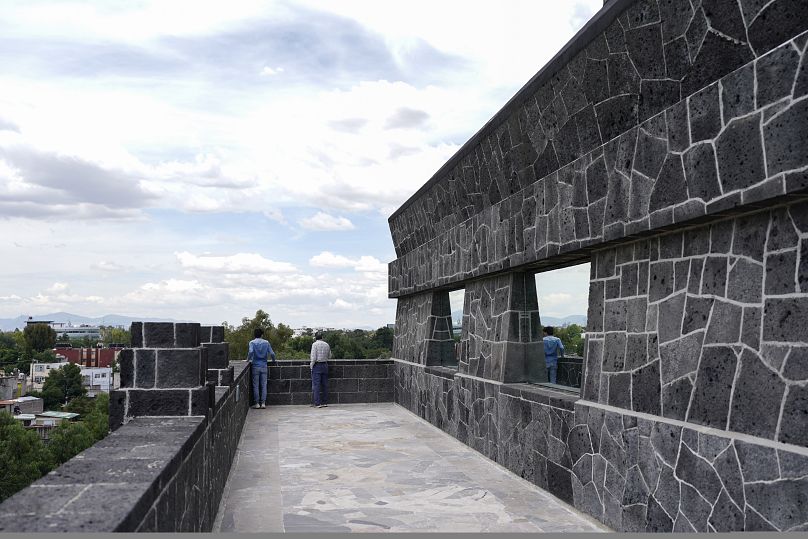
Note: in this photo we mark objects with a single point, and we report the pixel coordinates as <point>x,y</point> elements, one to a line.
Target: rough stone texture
<point>630,472</point>
<point>154,474</point>
<point>720,148</point>
<point>715,362</point>
<point>501,337</point>
<point>425,332</point>
<point>211,334</point>
<point>166,373</point>
<point>670,151</point>
<point>349,381</point>
<point>218,355</point>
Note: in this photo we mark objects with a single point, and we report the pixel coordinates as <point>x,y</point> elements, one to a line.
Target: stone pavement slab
<point>376,468</point>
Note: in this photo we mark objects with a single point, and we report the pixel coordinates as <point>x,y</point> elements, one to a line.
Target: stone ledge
<point>141,477</point>
<point>541,395</point>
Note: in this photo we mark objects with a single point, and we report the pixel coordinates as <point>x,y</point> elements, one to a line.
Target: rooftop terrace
<point>376,468</point>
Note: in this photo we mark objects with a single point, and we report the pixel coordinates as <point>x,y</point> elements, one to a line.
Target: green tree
<point>383,338</point>
<point>97,419</point>
<point>23,456</point>
<point>39,337</point>
<point>240,337</point>
<point>115,335</point>
<point>572,338</point>
<point>61,385</point>
<point>69,439</point>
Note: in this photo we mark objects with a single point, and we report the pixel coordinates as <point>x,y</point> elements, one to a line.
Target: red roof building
<point>89,357</point>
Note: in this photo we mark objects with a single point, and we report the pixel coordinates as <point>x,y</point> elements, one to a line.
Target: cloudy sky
<point>203,159</point>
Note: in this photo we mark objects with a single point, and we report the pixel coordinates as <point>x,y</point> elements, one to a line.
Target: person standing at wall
<point>320,354</point>
<point>553,349</point>
<point>258,353</point>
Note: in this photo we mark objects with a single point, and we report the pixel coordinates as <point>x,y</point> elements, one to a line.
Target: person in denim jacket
<point>258,353</point>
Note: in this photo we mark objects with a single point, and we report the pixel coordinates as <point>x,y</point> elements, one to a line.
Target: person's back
<point>552,347</point>
<point>320,354</point>
<point>258,353</point>
<point>320,351</point>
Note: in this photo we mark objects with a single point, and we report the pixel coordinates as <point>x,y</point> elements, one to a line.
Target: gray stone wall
<point>665,144</point>
<point>425,333</point>
<point>349,381</point>
<point>708,325</point>
<point>633,471</point>
<point>647,57</point>
<point>501,336</point>
<point>737,142</point>
<point>153,474</point>
<point>165,373</point>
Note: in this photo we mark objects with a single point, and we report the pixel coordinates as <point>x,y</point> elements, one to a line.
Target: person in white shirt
<point>320,354</point>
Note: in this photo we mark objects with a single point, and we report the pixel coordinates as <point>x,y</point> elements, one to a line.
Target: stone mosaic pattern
<point>501,336</point>
<point>644,475</point>
<point>652,55</point>
<point>738,142</point>
<point>708,325</point>
<point>424,329</point>
<point>634,473</point>
<point>349,381</point>
<point>154,474</point>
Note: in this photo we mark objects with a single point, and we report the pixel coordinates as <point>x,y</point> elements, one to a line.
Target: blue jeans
<point>259,382</point>
<point>319,383</point>
<point>552,370</point>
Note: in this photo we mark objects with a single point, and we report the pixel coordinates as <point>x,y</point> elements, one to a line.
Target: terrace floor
<point>375,468</point>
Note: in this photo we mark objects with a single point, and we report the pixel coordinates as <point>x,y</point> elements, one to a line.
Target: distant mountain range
<point>579,319</point>
<point>10,324</point>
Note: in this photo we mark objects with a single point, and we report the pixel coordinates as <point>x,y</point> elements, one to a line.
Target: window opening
<point>457,300</point>
<point>563,296</point>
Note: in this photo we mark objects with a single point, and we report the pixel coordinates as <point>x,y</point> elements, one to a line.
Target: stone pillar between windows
<point>501,338</point>
<point>424,329</point>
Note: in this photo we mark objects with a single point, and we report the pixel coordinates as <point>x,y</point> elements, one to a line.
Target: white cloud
<point>363,264</point>
<point>251,263</point>
<point>324,222</point>
<point>341,304</point>
<point>270,71</point>
<point>173,128</point>
<point>108,265</point>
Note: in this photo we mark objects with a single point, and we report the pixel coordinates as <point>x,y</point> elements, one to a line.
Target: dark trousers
<point>319,383</point>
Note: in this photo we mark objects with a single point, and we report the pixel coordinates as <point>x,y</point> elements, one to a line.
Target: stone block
<point>775,74</point>
<point>158,335</point>
<point>218,354</point>
<point>645,389</point>
<point>786,319</point>
<point>211,334</point>
<point>756,400</point>
<point>713,387</point>
<point>784,138</point>
<point>186,335</point>
<point>795,417</point>
<point>145,364</point>
<point>136,331</point>
<point>738,92</point>
<point>157,402</point>
<point>126,361</point>
<point>180,368</point>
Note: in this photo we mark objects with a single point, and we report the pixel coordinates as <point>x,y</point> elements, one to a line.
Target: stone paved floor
<point>375,468</point>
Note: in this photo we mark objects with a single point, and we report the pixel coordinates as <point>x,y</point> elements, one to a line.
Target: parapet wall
<point>349,381</point>
<point>155,474</point>
<point>165,465</point>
